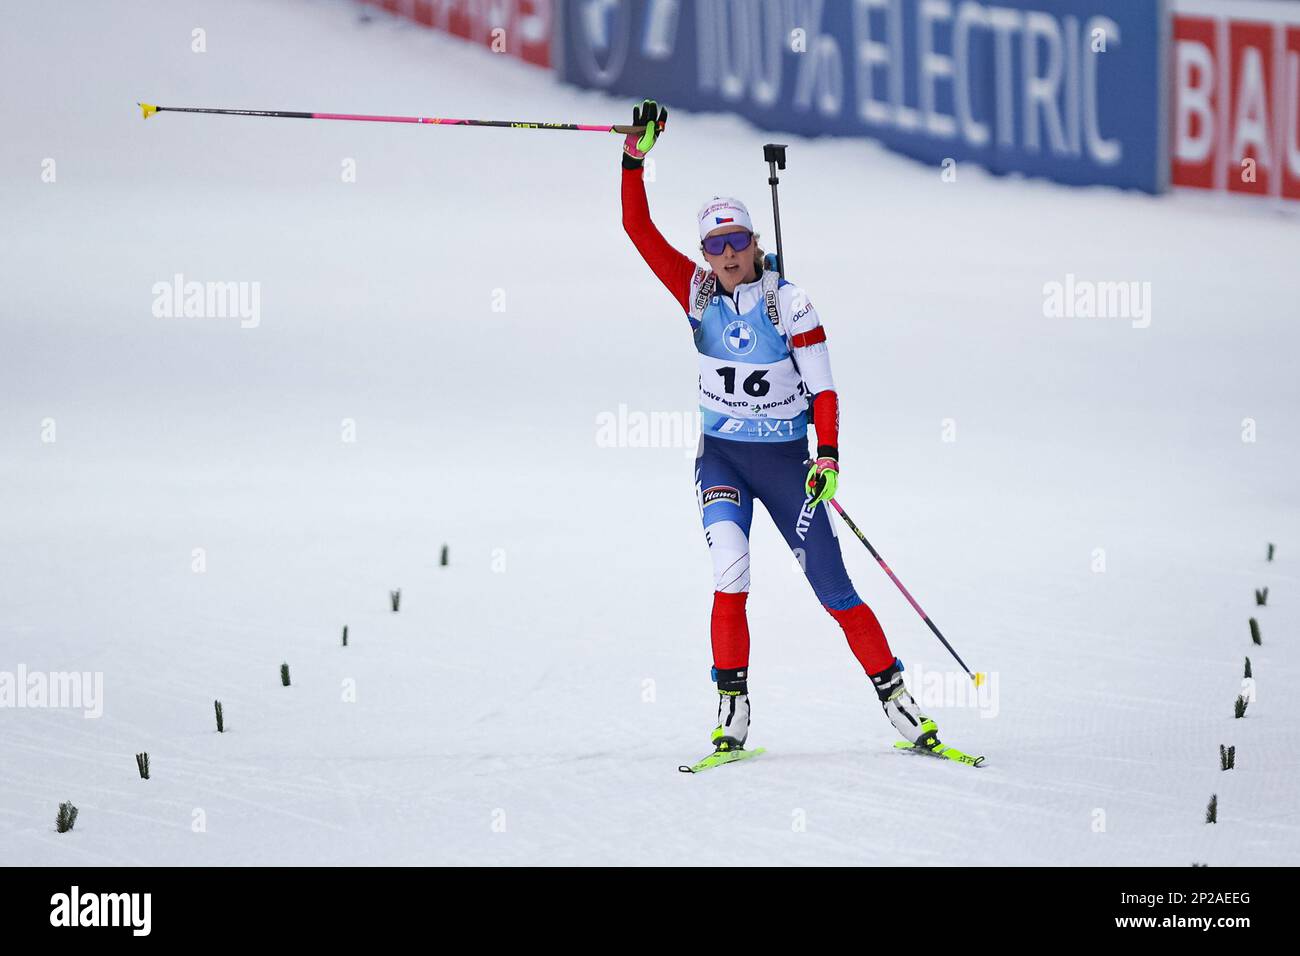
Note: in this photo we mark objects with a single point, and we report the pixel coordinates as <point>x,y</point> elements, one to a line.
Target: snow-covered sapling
<point>67,817</point>
<point>1261,596</point>
<point>1227,757</point>
<point>284,674</point>
<point>1212,811</point>
<point>443,560</point>
<point>221,723</point>
<point>1254,631</point>
<point>395,598</point>
<point>1239,709</point>
<point>345,635</point>
<point>142,764</point>
<point>1270,552</point>
<point>1247,674</point>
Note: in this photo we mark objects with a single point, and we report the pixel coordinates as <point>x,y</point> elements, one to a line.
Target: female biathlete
<point>763,368</point>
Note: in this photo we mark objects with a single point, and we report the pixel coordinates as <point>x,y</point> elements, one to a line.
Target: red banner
<point>1291,106</point>
<point>521,28</point>
<point>1236,98</point>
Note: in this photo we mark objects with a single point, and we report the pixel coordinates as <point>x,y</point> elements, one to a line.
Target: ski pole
<point>774,156</point>
<point>148,109</point>
<point>977,678</point>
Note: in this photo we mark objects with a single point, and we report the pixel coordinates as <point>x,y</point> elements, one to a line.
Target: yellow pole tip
<point>979,678</point>
<point>146,110</point>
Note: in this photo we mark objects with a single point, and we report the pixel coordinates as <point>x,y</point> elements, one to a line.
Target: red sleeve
<point>674,270</point>
<point>826,419</point>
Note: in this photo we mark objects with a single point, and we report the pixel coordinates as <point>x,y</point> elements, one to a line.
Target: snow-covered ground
<point>531,702</point>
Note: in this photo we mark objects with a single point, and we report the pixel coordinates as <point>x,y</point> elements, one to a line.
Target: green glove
<point>653,117</point>
<point>823,480</point>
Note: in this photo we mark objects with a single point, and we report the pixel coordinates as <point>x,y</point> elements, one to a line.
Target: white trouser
<point>729,549</point>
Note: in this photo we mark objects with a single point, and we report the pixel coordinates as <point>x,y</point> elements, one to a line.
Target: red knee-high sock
<point>730,630</point>
<point>866,638</point>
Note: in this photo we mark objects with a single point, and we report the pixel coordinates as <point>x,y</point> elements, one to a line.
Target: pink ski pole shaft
<point>910,600</point>
<point>148,109</point>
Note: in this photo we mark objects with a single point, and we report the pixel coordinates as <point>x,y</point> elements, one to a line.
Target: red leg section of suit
<point>866,637</point>
<point>730,631</point>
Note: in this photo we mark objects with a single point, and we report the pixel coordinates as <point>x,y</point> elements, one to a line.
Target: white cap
<point>723,211</point>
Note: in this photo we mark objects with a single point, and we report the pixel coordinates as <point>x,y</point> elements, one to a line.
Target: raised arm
<point>674,270</point>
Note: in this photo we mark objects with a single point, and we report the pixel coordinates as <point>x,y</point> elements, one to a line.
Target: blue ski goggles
<point>714,245</point>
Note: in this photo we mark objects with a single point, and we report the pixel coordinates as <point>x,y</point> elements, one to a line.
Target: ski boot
<point>733,710</point>
<point>902,710</point>
<point>733,721</point>
<point>729,736</point>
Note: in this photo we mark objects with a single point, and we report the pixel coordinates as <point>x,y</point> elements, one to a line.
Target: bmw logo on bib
<point>739,338</point>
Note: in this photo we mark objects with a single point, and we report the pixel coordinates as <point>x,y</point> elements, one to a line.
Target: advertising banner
<point>1235,123</point>
<point>1072,90</point>
<point>521,28</point>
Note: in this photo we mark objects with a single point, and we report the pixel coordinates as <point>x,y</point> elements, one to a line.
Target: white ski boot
<point>902,711</point>
<point>733,721</point>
